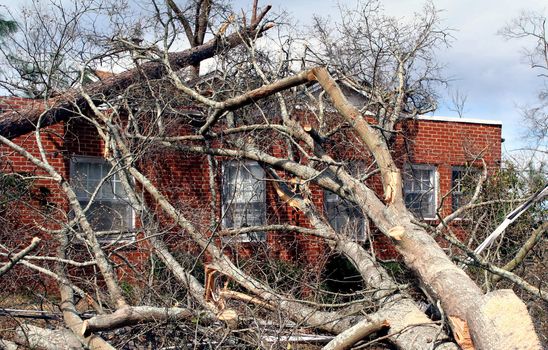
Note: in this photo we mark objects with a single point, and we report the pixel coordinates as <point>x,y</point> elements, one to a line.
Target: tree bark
<point>8,345</point>
<point>504,317</point>
<point>40,338</point>
<point>133,315</point>
<point>352,335</point>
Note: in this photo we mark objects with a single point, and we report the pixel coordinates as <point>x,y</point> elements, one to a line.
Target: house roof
<point>15,111</point>
<point>353,88</point>
<point>102,75</point>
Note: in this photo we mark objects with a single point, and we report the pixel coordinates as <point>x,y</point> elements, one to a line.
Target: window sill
<point>429,219</point>
<point>236,240</point>
<point>116,238</point>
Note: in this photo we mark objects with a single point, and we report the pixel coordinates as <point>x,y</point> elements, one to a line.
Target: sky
<point>488,69</point>
<point>482,65</point>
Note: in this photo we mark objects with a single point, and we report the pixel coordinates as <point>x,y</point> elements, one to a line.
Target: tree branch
<point>352,335</point>
<point>522,252</point>
<point>132,315</point>
<point>20,255</point>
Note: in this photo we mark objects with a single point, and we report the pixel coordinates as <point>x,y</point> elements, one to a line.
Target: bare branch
<point>14,259</point>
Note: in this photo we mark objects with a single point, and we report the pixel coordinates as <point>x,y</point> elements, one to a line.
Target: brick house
<point>434,153</point>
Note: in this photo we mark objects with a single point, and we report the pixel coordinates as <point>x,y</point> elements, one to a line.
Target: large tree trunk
<point>71,102</point>
<point>496,320</point>
<point>460,297</point>
<point>35,337</point>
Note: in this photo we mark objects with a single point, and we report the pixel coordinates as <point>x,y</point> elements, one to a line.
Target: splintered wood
<point>396,232</point>
<point>392,184</point>
<point>461,333</point>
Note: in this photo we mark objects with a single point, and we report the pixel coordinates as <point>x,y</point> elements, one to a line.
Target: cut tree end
<point>397,232</point>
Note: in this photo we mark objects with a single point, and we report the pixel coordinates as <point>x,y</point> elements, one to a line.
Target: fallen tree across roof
<point>16,123</point>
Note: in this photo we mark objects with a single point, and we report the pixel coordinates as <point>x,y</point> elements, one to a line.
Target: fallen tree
<point>139,111</point>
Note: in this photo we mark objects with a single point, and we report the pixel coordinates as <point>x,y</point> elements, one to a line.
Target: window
<point>461,185</point>
<point>420,190</point>
<point>110,209</point>
<point>344,216</point>
<point>244,198</point>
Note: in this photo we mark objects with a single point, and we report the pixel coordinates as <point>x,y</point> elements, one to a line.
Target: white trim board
<point>458,120</point>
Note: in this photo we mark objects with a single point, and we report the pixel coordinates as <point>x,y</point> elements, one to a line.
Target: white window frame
<point>408,169</point>
<point>333,198</point>
<point>466,171</point>
<point>456,189</point>
<point>123,236</point>
<point>227,200</point>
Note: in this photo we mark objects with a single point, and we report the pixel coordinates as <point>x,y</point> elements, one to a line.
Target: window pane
<point>119,189</point>
<point>344,216</point>
<point>419,190</point>
<point>463,182</point>
<point>256,170</point>
<point>108,216</point>
<point>428,209</point>
<point>413,201</point>
<point>95,172</point>
<point>91,185</point>
<point>80,168</point>
<point>108,212</point>
<point>79,177</point>
<point>244,197</point>
<point>107,192</point>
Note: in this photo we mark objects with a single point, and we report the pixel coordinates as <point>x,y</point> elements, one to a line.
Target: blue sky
<point>481,64</point>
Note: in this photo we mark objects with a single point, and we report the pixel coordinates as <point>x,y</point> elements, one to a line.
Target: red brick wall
<point>42,206</point>
<point>449,144</point>
<point>445,145</point>
<point>13,162</point>
<point>184,177</point>
<point>13,103</point>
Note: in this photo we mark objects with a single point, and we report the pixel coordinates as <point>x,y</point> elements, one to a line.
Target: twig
<point>522,252</point>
